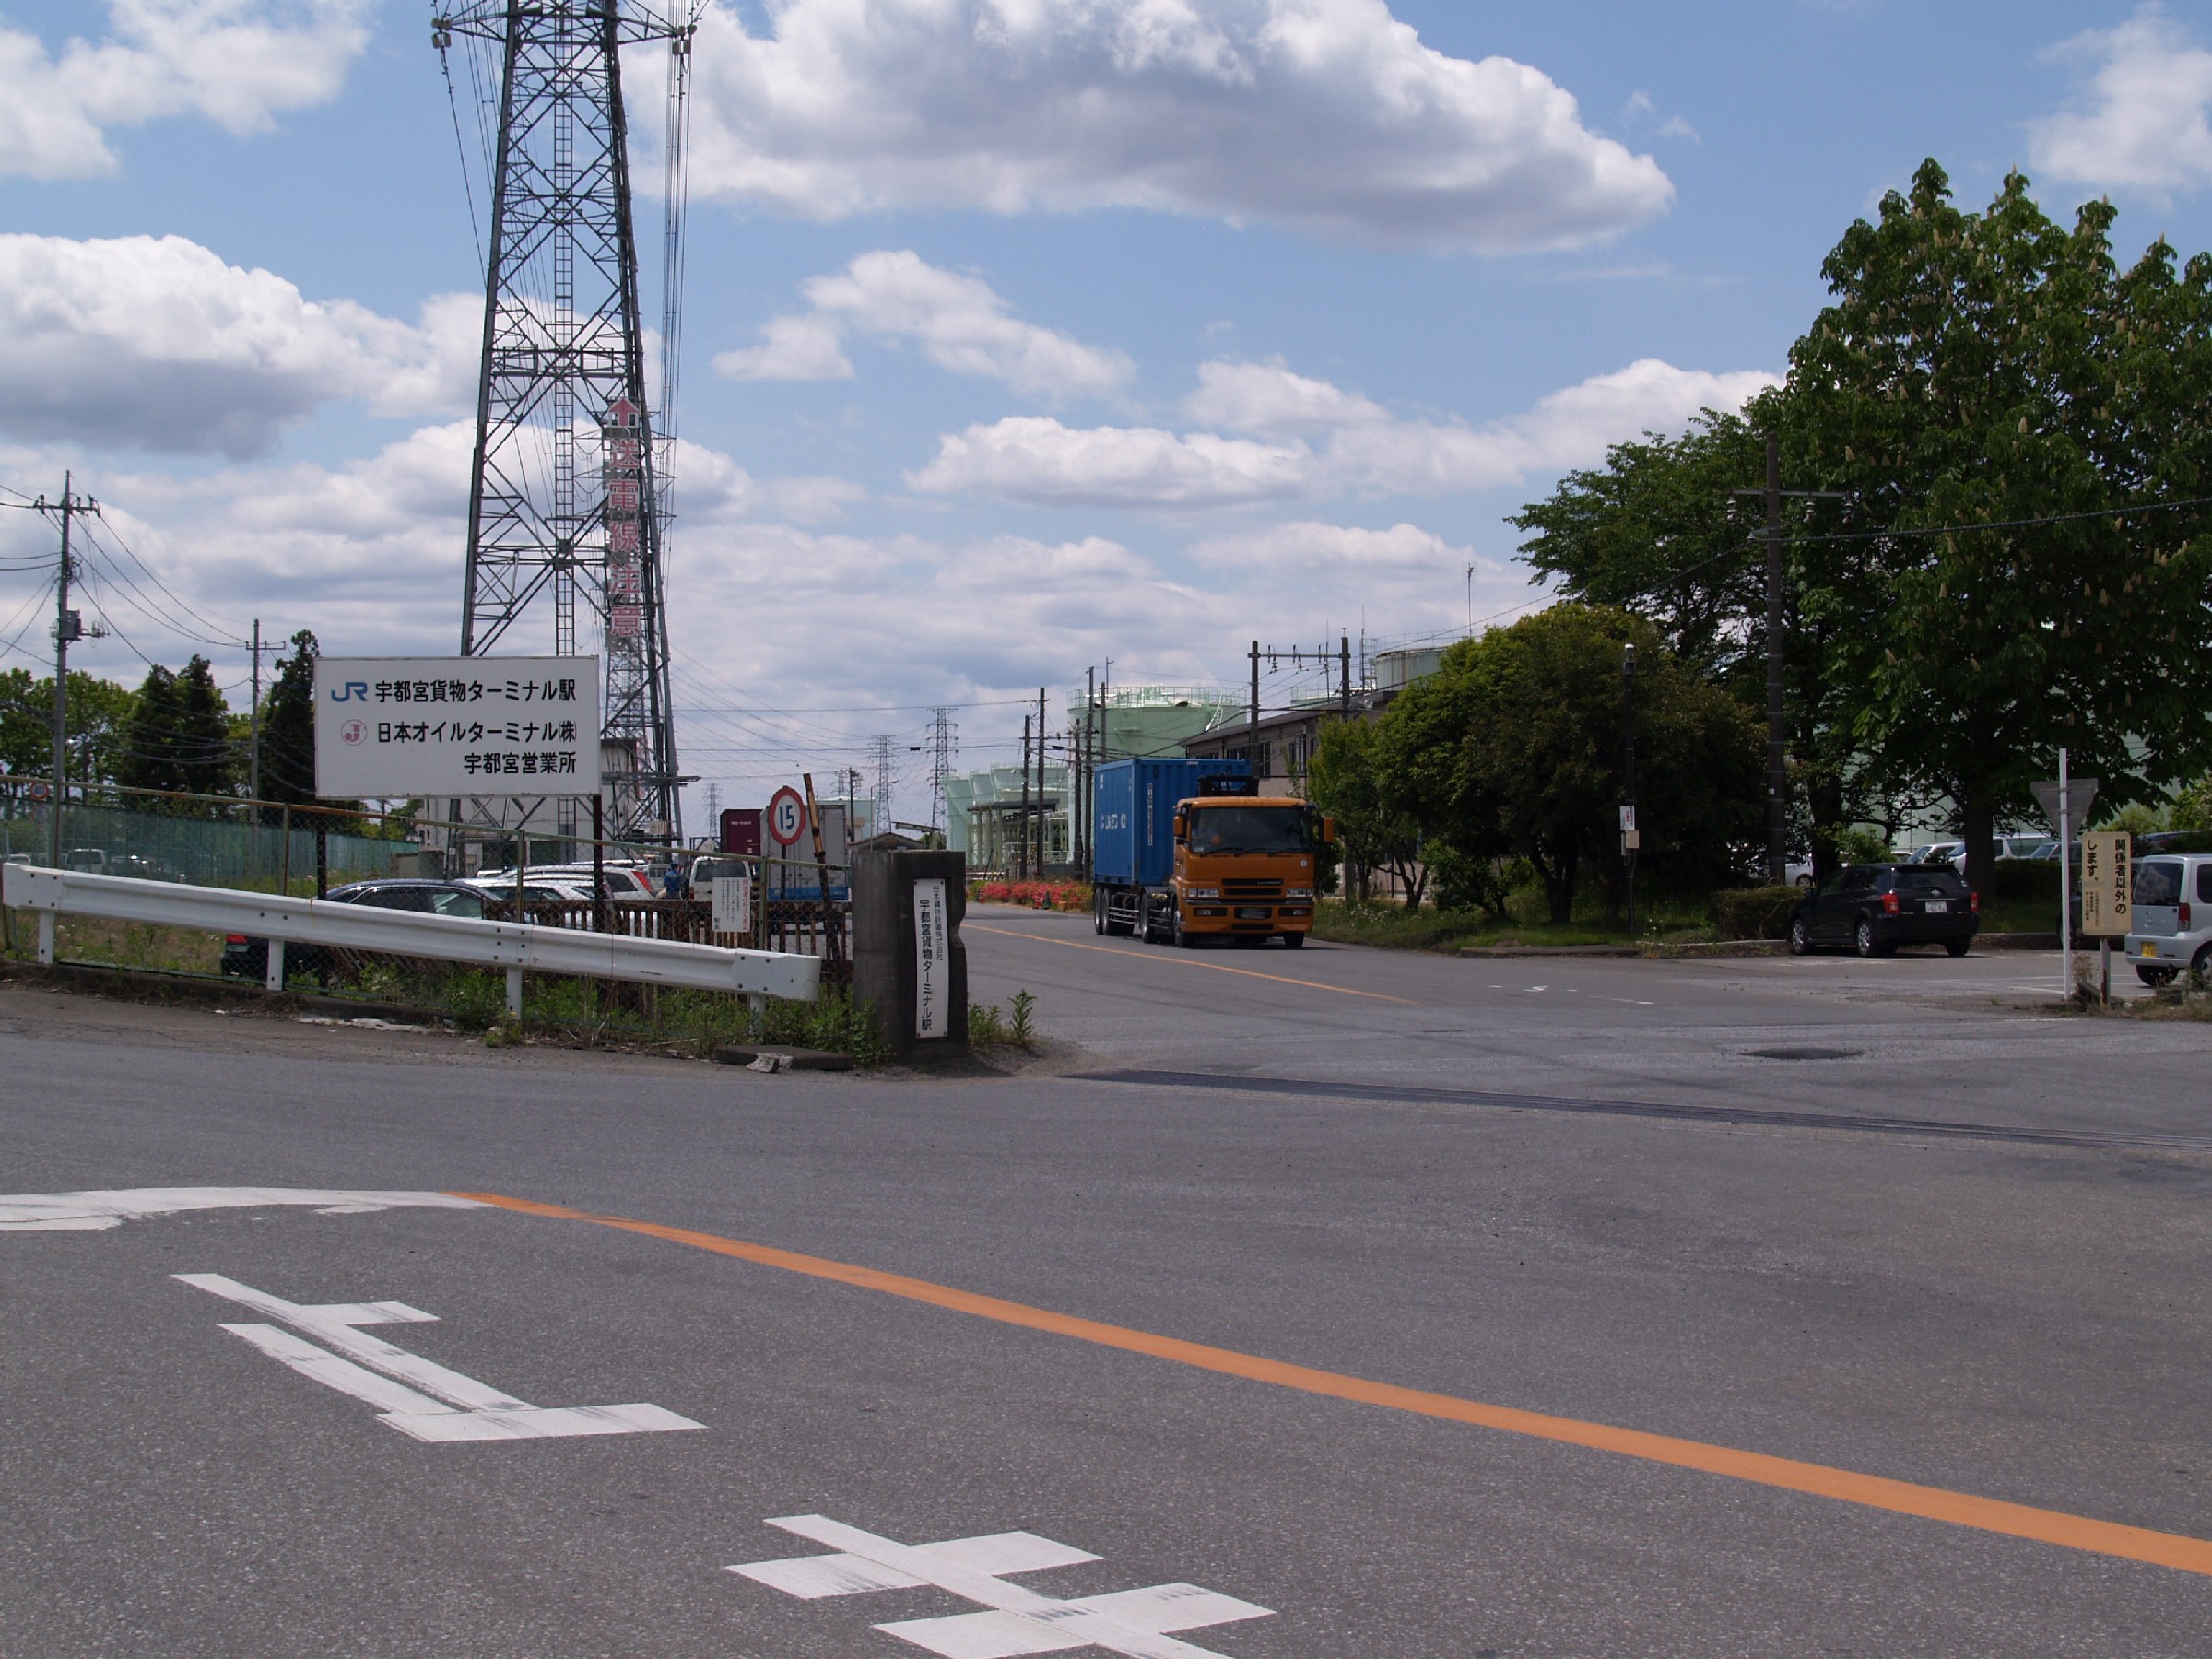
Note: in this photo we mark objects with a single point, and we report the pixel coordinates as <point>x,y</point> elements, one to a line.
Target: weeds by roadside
<point>989,1028</point>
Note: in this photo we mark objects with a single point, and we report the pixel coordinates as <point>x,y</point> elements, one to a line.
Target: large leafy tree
<point>1347,779</point>
<point>2003,402</point>
<point>179,736</point>
<point>99,712</point>
<point>1662,530</point>
<point>1513,749</point>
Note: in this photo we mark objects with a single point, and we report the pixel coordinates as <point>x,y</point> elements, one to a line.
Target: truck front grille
<point>1252,889</point>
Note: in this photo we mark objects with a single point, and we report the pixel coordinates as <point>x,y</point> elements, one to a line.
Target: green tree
<point>287,727</point>
<point>1660,530</point>
<point>99,712</point>
<point>1347,778</point>
<point>1996,370</point>
<point>179,734</point>
<point>1512,749</point>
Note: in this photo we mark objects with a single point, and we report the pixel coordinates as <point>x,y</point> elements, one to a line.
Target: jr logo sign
<point>351,691</point>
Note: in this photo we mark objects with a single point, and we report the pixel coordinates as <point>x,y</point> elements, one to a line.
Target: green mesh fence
<point>207,851</point>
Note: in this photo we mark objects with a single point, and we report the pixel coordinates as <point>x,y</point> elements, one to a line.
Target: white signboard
<point>933,959</point>
<point>504,726</point>
<point>732,904</point>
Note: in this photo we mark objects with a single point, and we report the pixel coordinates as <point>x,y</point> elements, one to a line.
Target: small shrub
<point>1020,1027</point>
<point>986,1027</point>
<point>1761,913</point>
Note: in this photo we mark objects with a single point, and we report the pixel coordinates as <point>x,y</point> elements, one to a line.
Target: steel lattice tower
<point>567,503</point>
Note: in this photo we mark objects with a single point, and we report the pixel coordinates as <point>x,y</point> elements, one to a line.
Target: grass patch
<point>1394,928</point>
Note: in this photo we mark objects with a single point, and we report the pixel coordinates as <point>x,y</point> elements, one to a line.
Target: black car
<point>1873,908</point>
<point>249,958</point>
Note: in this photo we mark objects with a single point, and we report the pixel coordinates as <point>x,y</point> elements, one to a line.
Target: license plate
<point>1936,907</point>
<point>2149,949</point>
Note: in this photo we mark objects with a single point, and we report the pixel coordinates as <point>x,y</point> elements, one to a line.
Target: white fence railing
<point>518,948</point>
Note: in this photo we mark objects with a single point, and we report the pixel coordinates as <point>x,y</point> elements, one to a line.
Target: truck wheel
<point>1098,912</point>
<point>1293,941</point>
<point>1182,940</point>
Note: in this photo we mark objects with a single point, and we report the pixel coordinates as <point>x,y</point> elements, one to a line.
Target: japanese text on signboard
<point>441,725</point>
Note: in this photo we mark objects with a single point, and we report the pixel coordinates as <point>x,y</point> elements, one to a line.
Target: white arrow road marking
<point>1018,1621</point>
<point>418,1397</point>
<point>86,1212</point>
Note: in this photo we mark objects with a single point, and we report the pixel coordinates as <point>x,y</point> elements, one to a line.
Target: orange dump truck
<point>1186,850</point>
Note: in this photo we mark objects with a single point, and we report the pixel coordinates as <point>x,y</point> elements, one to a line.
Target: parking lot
<point>1330,1304</point>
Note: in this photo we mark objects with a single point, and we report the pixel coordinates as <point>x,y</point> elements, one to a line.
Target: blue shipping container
<point>1133,826</point>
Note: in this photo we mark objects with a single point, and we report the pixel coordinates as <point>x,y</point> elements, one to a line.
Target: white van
<point>2172,917</point>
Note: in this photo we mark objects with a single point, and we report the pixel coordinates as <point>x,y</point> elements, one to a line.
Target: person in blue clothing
<point>677,882</point>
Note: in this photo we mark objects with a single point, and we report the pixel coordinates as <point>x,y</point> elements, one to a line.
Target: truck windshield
<point>1248,830</point>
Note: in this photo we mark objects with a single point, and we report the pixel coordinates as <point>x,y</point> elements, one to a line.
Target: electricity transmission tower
<point>879,757</point>
<point>944,744</point>
<point>568,499</point>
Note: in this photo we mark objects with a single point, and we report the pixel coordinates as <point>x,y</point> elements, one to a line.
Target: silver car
<point>2172,917</point>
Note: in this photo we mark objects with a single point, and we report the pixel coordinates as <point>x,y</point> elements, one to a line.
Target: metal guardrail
<point>519,947</point>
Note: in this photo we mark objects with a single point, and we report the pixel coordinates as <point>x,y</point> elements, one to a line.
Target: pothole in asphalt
<point>1803,1054</point>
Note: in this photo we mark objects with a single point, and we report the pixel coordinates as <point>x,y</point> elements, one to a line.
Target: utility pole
<point>253,741</point>
<point>1632,837</point>
<point>1044,811</point>
<point>1085,807</point>
<point>1777,852</point>
<point>1778,783</point>
<point>67,626</point>
<point>1021,858</point>
<point>1252,723</point>
<point>1344,668</point>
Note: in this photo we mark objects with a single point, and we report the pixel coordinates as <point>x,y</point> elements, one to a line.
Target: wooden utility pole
<point>1021,857</point>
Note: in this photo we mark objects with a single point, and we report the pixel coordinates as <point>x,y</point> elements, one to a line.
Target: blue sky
<point>1019,334</point>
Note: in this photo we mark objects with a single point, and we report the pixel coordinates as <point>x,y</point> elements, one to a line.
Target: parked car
<point>2172,917</point>
<point>2173,841</point>
<point>1873,908</point>
<point>248,958</point>
<point>91,861</point>
<point>1942,852</point>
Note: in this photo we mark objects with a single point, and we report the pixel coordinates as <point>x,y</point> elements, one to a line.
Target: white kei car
<point>2172,917</point>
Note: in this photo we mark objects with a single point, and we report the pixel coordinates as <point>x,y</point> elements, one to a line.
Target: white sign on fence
<point>932,958</point>
<point>504,726</point>
<point>732,904</point>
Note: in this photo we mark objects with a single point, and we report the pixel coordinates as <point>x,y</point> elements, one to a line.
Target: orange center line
<point>1819,1480</point>
<point>1183,961</point>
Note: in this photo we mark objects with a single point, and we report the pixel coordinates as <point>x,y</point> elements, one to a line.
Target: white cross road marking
<point>88,1212</point>
<point>1135,1623</point>
<point>416,1395</point>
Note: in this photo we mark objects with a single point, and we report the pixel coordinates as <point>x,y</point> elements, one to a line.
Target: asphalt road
<point>1508,1308</point>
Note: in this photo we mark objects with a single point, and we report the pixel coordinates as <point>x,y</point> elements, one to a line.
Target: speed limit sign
<point>786,816</point>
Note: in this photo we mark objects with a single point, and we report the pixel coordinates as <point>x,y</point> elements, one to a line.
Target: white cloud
<point>237,63</point>
<point>2144,120</point>
<point>1035,458</point>
<point>957,321</point>
<point>1366,451</point>
<point>1329,116</point>
<point>159,344</point>
<point>1267,398</point>
<point>1341,552</point>
<point>796,348</point>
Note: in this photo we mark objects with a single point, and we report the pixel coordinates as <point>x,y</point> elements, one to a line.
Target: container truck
<point>1188,849</point>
